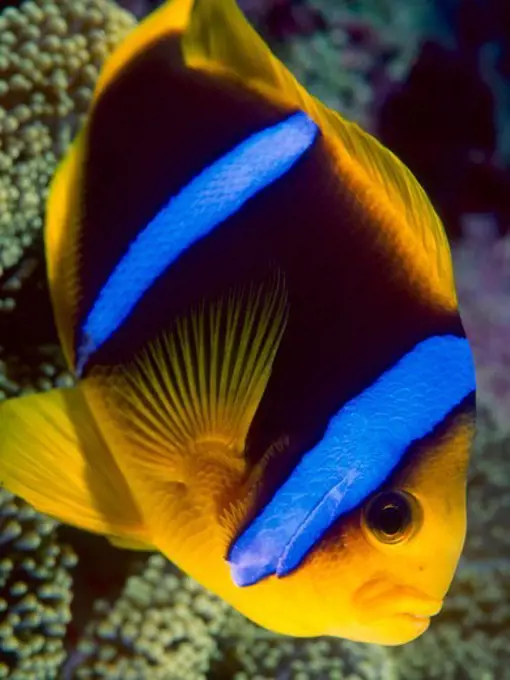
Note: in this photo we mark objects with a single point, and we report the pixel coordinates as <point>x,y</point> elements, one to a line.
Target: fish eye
<point>391,516</point>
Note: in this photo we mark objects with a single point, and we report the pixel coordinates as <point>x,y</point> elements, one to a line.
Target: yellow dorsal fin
<point>61,243</point>
<point>219,39</point>
<point>200,385</point>
<point>171,17</point>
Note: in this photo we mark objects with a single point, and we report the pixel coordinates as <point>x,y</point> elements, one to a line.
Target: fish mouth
<point>380,600</point>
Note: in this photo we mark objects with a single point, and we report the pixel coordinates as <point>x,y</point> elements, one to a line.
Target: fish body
<point>274,385</point>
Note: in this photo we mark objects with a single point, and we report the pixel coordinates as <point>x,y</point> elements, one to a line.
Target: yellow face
<point>402,548</point>
<point>378,577</point>
<point>390,569</point>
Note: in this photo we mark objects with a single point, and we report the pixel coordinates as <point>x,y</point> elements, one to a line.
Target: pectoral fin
<point>204,381</point>
<point>129,544</point>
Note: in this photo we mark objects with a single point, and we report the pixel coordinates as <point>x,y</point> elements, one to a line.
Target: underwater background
<point>431,79</point>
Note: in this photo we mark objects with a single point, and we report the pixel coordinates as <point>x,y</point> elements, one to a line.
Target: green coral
<point>489,494</point>
<point>162,627</point>
<point>398,16</point>
<point>319,63</point>
<point>50,54</point>
<point>35,592</point>
<point>482,272</point>
<point>43,370</point>
<point>341,69</point>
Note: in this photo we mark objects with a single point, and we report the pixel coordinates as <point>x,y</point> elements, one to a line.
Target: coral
<point>35,592</point>
<point>162,626</point>
<point>35,578</point>
<point>46,369</point>
<point>488,539</point>
<point>395,15</point>
<point>482,267</point>
<point>360,50</point>
<point>50,55</point>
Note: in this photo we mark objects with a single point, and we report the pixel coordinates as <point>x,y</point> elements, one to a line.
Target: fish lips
<point>383,600</point>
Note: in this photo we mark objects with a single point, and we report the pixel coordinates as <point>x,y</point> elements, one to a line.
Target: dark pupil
<point>391,519</point>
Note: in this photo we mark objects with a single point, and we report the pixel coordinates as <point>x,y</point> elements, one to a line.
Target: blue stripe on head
<point>214,195</point>
<point>363,443</point>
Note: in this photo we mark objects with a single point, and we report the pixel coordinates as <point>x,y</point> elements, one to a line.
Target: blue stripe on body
<point>362,445</point>
<point>209,199</point>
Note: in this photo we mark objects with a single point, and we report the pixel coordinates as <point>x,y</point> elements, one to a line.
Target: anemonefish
<point>274,386</point>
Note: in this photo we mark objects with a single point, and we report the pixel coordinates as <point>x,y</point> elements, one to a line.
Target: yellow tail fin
<point>53,455</point>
